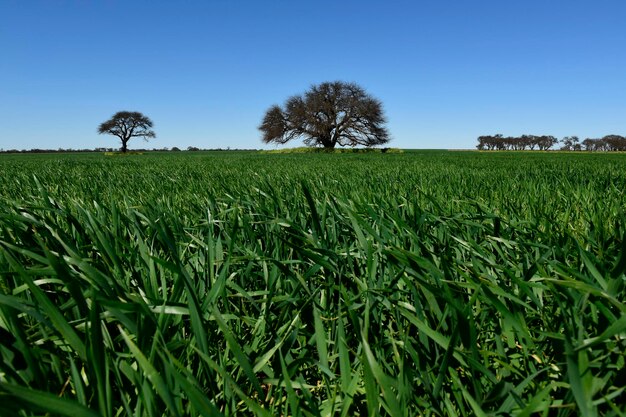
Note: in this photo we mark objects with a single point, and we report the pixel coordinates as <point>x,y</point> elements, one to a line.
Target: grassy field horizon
<point>427,282</point>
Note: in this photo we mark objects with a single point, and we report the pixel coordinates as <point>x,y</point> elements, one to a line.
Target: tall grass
<point>435,284</point>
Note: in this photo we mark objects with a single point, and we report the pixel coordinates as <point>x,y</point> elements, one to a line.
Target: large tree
<point>126,125</point>
<point>328,114</point>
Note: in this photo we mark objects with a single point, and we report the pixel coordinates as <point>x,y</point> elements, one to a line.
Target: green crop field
<point>229,283</point>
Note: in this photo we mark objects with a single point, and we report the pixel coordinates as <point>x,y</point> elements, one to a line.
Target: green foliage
<point>421,283</point>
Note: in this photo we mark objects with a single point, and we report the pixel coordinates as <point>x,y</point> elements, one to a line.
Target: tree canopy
<point>126,125</point>
<point>328,114</point>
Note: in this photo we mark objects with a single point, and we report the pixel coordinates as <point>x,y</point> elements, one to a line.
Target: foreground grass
<point>313,285</point>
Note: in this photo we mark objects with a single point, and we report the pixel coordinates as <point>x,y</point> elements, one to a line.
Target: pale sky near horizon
<point>206,71</point>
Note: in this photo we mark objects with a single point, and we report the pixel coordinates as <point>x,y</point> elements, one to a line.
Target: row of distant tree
<point>543,143</point>
<point>62,150</point>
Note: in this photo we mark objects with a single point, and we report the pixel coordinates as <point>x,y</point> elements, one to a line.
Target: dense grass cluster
<point>419,283</point>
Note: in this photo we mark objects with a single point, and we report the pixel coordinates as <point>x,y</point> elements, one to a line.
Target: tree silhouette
<point>328,114</point>
<point>570,143</point>
<point>126,125</point>
<point>524,142</point>
<point>615,142</point>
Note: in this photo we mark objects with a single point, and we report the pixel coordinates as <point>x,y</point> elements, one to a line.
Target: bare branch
<point>327,114</point>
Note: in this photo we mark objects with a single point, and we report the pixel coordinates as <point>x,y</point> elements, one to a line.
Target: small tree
<point>126,125</point>
<point>328,114</point>
<point>570,143</point>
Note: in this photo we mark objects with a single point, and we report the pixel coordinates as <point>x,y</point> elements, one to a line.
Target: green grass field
<point>228,283</point>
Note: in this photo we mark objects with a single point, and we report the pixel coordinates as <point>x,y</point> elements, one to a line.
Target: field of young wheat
<point>232,283</point>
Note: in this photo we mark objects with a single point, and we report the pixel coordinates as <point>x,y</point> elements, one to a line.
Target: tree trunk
<point>124,147</point>
<point>326,140</point>
<point>326,143</point>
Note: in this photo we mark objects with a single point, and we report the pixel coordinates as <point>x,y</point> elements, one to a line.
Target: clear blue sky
<point>205,71</point>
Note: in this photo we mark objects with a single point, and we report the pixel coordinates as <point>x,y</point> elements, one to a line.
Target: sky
<point>205,71</point>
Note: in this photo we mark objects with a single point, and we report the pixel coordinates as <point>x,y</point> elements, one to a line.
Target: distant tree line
<point>59,150</point>
<point>524,142</point>
<point>543,143</point>
<point>607,143</point>
<point>64,150</point>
